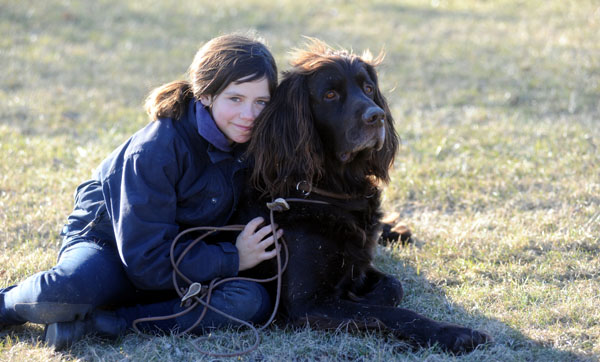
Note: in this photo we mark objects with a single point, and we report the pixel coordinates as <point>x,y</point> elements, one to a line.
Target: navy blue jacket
<point>169,176</point>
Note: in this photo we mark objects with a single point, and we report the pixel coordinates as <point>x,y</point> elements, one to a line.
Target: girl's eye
<point>368,89</point>
<point>261,102</point>
<point>330,95</point>
<point>235,99</point>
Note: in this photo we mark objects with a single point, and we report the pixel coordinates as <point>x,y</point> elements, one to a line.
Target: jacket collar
<point>207,128</point>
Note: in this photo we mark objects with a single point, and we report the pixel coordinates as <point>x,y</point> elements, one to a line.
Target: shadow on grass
<point>430,300</point>
<point>420,295</point>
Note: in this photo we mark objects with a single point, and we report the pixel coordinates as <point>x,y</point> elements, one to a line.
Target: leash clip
<point>279,204</point>
<point>305,190</point>
<point>193,290</point>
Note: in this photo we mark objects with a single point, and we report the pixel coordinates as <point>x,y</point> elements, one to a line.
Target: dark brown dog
<point>328,127</point>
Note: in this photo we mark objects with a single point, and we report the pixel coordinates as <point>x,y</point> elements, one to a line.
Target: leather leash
<point>195,293</point>
<point>306,189</point>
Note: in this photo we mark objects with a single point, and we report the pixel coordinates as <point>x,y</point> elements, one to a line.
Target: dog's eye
<point>330,95</point>
<point>368,88</point>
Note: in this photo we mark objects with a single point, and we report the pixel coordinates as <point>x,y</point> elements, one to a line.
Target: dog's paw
<point>458,340</point>
<point>395,233</point>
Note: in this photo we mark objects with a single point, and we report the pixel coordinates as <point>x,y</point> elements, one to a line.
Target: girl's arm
<point>142,202</point>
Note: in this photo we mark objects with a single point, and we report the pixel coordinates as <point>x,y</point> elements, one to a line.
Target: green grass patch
<point>497,104</point>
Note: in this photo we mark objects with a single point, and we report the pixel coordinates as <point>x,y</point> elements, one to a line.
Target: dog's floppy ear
<point>384,158</point>
<point>284,144</point>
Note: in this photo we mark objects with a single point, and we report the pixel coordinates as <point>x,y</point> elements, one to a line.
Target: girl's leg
<point>86,276</point>
<point>245,300</point>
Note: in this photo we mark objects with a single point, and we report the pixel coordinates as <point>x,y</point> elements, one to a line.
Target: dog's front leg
<point>377,288</point>
<point>403,323</point>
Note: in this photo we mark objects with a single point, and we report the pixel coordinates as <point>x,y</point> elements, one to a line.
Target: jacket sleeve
<point>142,202</point>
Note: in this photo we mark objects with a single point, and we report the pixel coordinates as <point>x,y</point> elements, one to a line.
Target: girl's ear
<point>206,100</point>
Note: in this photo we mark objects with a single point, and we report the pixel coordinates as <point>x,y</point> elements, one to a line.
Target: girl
<point>184,169</point>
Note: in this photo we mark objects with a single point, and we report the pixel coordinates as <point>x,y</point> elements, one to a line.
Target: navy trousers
<point>89,275</point>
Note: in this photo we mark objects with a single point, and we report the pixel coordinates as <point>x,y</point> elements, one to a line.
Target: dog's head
<point>327,119</point>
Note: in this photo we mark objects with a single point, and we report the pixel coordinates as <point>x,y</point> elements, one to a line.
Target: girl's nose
<point>248,113</point>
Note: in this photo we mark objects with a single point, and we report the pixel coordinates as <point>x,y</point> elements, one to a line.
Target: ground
<point>496,102</point>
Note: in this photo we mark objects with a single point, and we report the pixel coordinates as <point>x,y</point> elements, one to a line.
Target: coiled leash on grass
<point>196,292</point>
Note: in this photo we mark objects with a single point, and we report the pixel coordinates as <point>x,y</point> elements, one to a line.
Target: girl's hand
<point>252,244</point>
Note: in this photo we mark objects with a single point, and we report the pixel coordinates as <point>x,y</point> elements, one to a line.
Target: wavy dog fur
<point>329,125</point>
<point>296,151</point>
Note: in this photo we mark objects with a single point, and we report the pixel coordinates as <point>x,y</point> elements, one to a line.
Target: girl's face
<point>236,107</point>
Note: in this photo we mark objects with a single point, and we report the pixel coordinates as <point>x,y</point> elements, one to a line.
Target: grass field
<point>498,176</point>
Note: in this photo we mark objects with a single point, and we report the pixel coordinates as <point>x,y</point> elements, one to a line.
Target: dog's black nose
<point>373,116</point>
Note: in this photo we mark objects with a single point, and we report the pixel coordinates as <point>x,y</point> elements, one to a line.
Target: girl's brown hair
<point>222,60</point>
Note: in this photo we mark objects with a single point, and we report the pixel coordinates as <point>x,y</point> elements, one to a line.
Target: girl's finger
<point>270,240</point>
<point>269,254</point>
<point>264,231</point>
<point>251,227</point>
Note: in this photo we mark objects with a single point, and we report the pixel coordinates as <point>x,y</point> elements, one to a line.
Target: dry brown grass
<point>497,103</point>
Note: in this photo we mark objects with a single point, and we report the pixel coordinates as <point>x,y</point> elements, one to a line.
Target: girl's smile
<point>235,109</point>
